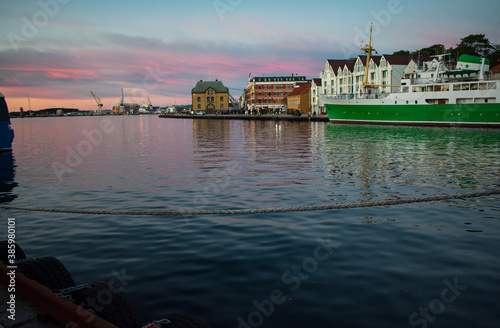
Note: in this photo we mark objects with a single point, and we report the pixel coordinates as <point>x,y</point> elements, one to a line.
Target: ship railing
<point>492,77</point>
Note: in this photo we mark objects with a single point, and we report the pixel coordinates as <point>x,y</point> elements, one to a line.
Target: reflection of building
<point>210,96</point>
<point>299,99</point>
<point>268,94</point>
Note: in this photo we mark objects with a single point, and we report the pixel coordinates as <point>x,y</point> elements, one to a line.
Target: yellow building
<point>300,100</point>
<point>210,97</point>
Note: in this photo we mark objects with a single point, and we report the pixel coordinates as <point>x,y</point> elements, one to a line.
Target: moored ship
<point>434,96</point>
<point>6,131</point>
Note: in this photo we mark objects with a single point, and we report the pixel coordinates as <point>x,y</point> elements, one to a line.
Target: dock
<point>267,117</point>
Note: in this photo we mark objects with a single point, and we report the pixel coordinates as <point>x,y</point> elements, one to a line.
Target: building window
<point>221,106</point>
<point>221,99</point>
<point>199,99</point>
<point>199,106</point>
<point>208,99</point>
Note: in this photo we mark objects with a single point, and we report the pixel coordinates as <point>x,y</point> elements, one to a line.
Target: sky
<point>57,51</point>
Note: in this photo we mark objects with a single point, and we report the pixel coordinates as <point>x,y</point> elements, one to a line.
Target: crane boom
<point>97,100</point>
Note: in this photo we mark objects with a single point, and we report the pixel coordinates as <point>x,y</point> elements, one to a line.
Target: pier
<point>267,117</point>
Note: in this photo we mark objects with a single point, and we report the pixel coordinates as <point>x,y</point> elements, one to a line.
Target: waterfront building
<point>268,94</point>
<point>359,72</point>
<point>346,76</point>
<point>317,106</point>
<point>299,99</point>
<point>210,97</point>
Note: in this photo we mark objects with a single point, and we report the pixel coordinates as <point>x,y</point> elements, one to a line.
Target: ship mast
<point>368,50</point>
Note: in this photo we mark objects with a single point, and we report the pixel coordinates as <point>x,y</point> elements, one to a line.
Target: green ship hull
<point>465,115</point>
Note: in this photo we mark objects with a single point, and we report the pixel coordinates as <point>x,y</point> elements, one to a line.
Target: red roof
<point>495,69</point>
<point>300,90</point>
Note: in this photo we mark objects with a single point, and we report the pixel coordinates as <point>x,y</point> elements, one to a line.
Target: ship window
<point>456,87</point>
<point>415,102</point>
<point>407,102</point>
<point>415,89</point>
<point>492,85</point>
<point>465,86</point>
<point>465,100</point>
<point>406,89</point>
<point>445,87</point>
<point>483,86</point>
<point>437,101</point>
<point>473,86</point>
<point>484,100</point>
<point>437,88</point>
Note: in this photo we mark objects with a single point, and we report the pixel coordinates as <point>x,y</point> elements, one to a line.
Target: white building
<point>317,106</point>
<point>346,76</point>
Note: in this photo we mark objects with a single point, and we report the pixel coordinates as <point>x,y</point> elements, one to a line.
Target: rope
<point>337,206</point>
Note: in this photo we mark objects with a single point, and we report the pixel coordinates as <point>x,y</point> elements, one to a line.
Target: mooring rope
<point>359,204</point>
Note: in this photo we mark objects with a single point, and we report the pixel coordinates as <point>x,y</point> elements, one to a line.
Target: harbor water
<point>433,264</point>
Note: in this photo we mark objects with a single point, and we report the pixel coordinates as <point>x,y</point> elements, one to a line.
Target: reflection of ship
<point>433,96</point>
<point>7,183</point>
<point>6,131</point>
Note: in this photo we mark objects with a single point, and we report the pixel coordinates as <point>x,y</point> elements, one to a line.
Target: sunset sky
<point>58,50</point>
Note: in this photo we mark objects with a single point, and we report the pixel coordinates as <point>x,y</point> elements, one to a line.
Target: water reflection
<point>379,157</point>
<point>7,175</point>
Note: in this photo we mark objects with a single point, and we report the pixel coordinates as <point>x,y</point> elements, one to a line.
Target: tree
<point>402,52</point>
<point>475,45</point>
<point>494,56</point>
<point>436,49</point>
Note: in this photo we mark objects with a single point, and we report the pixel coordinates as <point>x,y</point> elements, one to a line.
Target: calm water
<point>429,264</point>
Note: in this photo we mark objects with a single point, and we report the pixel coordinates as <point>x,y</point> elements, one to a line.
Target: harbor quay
<point>266,117</point>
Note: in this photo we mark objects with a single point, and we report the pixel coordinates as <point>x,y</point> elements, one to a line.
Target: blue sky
<point>161,48</point>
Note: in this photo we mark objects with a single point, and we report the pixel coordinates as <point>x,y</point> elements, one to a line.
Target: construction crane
<point>233,101</point>
<point>98,101</point>
<point>29,103</point>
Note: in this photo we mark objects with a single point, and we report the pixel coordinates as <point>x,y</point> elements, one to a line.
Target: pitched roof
<point>300,90</point>
<point>398,59</point>
<point>317,81</point>
<point>340,63</point>
<point>202,86</point>
<point>376,59</point>
<point>494,70</point>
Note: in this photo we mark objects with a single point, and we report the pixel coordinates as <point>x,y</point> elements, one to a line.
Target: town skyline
<point>56,51</point>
